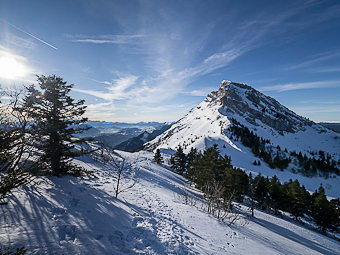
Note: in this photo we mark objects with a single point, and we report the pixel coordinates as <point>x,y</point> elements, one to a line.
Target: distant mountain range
<point>119,133</point>
<point>136,143</point>
<point>104,127</point>
<point>332,126</point>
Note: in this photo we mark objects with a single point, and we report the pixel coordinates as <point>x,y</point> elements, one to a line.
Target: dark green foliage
<point>295,195</point>
<point>325,214</point>
<point>261,186</point>
<point>276,197</point>
<point>209,168</point>
<point>258,146</point>
<point>191,173</point>
<point>178,161</point>
<point>307,166</point>
<point>158,157</point>
<point>236,182</point>
<point>57,118</point>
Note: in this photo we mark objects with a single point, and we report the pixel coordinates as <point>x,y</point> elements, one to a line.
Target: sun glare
<point>12,67</point>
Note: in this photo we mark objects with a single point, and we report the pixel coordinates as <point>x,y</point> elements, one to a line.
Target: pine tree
<point>56,119</point>
<point>178,161</point>
<point>235,181</point>
<point>324,213</point>
<point>275,193</point>
<point>261,190</point>
<point>158,157</point>
<point>296,203</point>
<point>191,173</point>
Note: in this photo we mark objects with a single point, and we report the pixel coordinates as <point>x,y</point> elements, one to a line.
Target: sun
<point>12,67</point>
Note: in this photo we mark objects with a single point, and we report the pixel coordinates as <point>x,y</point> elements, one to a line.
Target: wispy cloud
<point>316,59</point>
<point>18,42</point>
<point>327,69</point>
<point>106,39</point>
<point>302,85</point>
<point>116,89</point>
<point>102,82</point>
<point>176,59</point>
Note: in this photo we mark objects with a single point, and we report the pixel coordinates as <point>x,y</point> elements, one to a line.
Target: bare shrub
<point>186,197</point>
<point>125,179</point>
<point>15,150</point>
<point>219,205</point>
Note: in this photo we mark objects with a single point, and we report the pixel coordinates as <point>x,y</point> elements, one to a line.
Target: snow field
<point>81,216</point>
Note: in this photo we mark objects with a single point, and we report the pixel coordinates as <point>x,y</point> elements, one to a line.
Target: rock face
<point>243,100</point>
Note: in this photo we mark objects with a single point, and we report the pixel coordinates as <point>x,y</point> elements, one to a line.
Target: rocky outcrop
<point>256,107</point>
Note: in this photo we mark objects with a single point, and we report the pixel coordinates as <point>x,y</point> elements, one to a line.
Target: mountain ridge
<point>210,123</point>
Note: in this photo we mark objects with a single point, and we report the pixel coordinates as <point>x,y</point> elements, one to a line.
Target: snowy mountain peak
<point>256,108</point>
<point>210,123</point>
<point>212,117</point>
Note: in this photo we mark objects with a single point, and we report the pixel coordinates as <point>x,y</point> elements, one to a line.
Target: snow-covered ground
<point>69,215</point>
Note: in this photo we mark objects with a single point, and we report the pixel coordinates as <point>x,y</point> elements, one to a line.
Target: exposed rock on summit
<point>243,100</point>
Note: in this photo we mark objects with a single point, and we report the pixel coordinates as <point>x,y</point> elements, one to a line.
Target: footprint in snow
<point>117,240</point>
<point>67,232</point>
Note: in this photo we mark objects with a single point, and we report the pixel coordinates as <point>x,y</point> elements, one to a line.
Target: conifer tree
<point>275,193</point>
<point>158,157</point>
<point>296,203</point>
<point>56,119</point>
<point>261,190</point>
<point>190,172</point>
<point>324,213</point>
<point>178,161</point>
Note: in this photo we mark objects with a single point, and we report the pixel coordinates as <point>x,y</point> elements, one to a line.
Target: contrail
<point>53,47</point>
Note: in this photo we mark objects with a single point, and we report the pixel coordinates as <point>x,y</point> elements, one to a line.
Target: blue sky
<point>154,60</point>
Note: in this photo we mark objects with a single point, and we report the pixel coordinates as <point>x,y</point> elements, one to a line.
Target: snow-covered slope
<point>81,216</point>
<point>208,123</point>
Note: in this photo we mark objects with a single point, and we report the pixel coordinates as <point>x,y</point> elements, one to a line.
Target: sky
<point>154,60</point>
